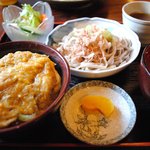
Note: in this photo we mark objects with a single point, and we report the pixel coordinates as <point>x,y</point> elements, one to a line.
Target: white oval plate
<point>95,128</point>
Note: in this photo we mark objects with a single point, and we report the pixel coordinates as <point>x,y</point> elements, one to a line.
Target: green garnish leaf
<point>28,18</point>
<point>108,35</point>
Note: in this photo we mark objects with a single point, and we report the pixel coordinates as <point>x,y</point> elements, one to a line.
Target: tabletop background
<point>44,136</point>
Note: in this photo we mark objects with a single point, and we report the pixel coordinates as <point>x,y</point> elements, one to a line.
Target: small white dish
<point>96,129</point>
<point>139,26</point>
<point>16,34</point>
<point>114,27</point>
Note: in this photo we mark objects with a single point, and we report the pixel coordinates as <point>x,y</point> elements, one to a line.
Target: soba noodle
<point>94,48</point>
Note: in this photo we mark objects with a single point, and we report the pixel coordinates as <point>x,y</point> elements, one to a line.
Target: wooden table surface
<point>111,9</point>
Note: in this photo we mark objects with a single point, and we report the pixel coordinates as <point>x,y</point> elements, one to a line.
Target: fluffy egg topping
<point>29,83</point>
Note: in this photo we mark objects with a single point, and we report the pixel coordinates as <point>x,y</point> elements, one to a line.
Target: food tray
<point>50,132</point>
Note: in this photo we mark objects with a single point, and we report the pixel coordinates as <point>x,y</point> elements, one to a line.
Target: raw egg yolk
<point>95,102</point>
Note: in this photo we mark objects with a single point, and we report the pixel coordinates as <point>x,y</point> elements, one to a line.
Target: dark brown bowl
<point>144,74</point>
<point>61,66</point>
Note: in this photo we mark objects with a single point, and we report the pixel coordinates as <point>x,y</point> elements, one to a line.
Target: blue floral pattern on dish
<point>97,129</point>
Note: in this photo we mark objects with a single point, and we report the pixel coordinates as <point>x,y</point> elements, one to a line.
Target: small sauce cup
<point>144,73</point>
<point>136,16</point>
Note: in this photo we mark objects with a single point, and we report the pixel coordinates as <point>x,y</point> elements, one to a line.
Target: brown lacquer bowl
<point>144,74</point>
<point>61,67</point>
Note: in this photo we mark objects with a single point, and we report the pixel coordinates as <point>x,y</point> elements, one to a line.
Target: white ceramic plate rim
<point>112,86</point>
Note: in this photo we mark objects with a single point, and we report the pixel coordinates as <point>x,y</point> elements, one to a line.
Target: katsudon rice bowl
<point>33,79</point>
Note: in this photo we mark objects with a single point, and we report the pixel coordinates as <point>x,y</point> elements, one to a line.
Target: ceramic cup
<point>133,16</point>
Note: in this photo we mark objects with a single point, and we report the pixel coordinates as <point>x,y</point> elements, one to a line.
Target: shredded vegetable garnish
<point>94,48</point>
<point>29,19</point>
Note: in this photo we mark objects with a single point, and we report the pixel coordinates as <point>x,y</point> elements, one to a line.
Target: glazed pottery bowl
<point>60,65</point>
